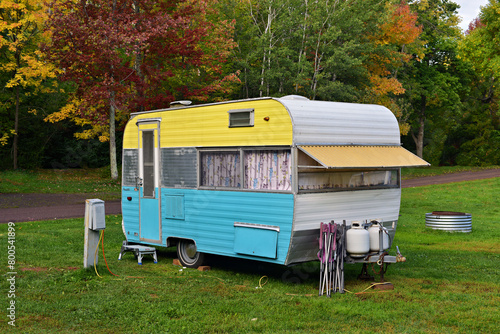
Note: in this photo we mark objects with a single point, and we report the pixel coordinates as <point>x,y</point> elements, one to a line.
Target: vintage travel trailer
<point>255,178</point>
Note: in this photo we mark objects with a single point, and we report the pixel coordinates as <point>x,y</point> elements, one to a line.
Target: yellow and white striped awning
<point>346,156</point>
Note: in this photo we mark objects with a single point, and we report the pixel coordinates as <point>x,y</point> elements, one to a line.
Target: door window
<point>148,158</point>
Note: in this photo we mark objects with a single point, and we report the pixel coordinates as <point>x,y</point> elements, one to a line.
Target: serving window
<point>322,180</point>
<point>263,169</point>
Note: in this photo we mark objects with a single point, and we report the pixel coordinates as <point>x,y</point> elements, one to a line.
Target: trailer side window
<point>268,169</point>
<point>220,169</point>
<point>240,117</point>
<point>334,181</point>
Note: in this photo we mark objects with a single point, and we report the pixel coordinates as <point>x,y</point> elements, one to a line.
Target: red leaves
<point>476,23</point>
<point>401,27</point>
<point>143,53</point>
<point>393,37</point>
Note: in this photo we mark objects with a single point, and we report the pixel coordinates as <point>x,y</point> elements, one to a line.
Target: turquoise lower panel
<point>130,213</point>
<point>141,216</point>
<point>208,218</point>
<point>150,219</point>
<point>256,242</point>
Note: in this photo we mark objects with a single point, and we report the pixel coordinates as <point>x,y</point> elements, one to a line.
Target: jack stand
<point>383,285</point>
<point>382,271</point>
<point>364,276</point>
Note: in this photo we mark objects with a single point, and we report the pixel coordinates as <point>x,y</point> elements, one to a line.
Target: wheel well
<point>173,241</point>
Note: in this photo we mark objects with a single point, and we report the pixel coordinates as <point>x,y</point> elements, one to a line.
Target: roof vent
<point>180,103</point>
<point>294,97</point>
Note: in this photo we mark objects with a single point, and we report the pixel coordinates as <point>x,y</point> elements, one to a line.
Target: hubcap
<point>191,250</point>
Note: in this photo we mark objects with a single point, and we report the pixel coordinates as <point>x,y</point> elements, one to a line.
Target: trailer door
<point>149,189</point>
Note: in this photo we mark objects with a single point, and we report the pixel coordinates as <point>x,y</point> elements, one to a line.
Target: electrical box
<point>97,217</point>
<point>95,221</point>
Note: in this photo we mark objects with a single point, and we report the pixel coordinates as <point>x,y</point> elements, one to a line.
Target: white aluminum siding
<point>312,209</point>
<point>327,123</point>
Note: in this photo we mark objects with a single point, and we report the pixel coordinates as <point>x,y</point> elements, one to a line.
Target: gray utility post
<point>94,222</point>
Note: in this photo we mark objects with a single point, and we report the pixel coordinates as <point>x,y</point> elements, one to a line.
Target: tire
<point>188,255</point>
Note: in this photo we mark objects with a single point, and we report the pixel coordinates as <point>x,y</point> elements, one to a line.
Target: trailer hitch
<point>399,257</point>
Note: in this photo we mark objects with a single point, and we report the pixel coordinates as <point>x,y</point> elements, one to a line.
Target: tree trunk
<point>112,139</point>
<point>16,129</point>
<point>419,138</point>
<point>266,58</point>
<point>138,60</point>
<point>302,50</point>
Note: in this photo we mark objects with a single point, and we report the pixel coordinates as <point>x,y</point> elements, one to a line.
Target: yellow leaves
<point>404,128</point>
<point>70,110</point>
<point>20,33</point>
<point>96,131</point>
<point>31,71</point>
<point>422,5</point>
<point>383,86</point>
<point>4,139</point>
<point>17,5</point>
<point>104,139</point>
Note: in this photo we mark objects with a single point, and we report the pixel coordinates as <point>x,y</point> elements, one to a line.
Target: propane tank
<point>374,232</point>
<point>357,240</point>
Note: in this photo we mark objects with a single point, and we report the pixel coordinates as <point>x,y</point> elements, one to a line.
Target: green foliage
<point>321,50</point>
<point>436,80</point>
<point>476,138</point>
<point>349,50</point>
<point>449,283</point>
<point>474,142</point>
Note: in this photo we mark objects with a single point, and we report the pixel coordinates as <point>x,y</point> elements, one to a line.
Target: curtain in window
<point>220,169</point>
<point>268,170</point>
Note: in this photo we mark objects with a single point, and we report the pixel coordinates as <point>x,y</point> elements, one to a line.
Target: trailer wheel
<point>188,255</point>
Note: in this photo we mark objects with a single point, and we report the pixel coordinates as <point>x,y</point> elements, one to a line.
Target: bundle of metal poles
<point>331,256</point>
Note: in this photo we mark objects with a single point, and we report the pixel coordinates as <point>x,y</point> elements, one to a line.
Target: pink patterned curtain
<point>269,170</point>
<point>221,169</point>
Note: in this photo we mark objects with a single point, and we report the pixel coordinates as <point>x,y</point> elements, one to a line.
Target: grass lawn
<point>449,284</point>
<point>67,181</point>
<point>411,173</point>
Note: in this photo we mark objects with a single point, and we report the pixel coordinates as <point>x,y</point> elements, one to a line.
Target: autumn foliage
<point>21,31</point>
<point>396,41</point>
<point>137,55</point>
<point>128,55</point>
<point>399,30</point>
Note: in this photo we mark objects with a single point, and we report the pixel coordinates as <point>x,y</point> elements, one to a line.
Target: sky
<point>469,11</point>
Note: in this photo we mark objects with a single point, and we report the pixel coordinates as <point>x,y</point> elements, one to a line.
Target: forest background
<point>71,71</point>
